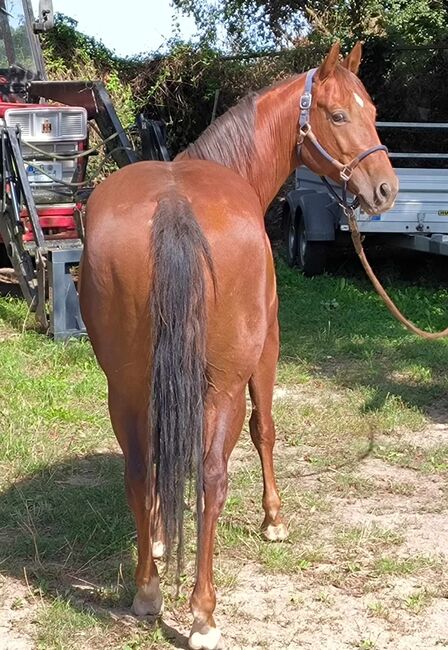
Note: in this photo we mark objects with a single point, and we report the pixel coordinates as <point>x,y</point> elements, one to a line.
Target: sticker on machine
<point>443,213</point>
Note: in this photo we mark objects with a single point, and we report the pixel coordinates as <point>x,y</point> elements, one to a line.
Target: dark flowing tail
<point>178,381</point>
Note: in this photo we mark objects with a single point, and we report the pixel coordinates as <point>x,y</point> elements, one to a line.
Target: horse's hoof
<point>275,533</point>
<point>158,550</point>
<point>148,601</point>
<point>205,638</point>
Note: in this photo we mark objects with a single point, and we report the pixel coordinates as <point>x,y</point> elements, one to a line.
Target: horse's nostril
<point>384,190</point>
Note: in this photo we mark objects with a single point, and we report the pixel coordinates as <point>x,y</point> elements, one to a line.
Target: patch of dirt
<point>17,610</point>
<point>284,613</point>
<point>420,517</point>
<point>435,435</point>
<point>298,611</point>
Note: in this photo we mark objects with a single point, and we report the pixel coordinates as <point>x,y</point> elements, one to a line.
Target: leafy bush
<point>69,54</point>
<point>190,84</point>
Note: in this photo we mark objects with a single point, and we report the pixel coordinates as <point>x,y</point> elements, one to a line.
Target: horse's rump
<point>149,328</point>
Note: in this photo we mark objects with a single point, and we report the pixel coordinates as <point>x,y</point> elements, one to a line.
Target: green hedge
<point>181,87</point>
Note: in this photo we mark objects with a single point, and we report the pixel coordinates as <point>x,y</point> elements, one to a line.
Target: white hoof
<point>158,550</point>
<point>275,533</point>
<point>206,638</point>
<point>148,600</point>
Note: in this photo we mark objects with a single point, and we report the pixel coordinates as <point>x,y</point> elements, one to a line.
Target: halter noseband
<point>305,131</point>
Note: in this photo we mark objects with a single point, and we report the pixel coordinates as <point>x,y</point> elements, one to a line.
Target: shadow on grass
<point>69,531</point>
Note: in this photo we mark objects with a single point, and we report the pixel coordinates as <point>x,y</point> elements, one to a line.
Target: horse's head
<point>342,119</point>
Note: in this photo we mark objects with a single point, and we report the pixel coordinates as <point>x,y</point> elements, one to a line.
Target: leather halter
<point>305,131</point>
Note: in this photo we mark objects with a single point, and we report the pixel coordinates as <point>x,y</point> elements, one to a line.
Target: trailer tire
<point>311,255</point>
<point>289,223</point>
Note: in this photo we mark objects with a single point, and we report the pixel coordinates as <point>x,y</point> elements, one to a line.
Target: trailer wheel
<point>289,227</point>
<point>311,255</point>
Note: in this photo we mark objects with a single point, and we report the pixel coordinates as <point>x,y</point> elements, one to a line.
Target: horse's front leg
<point>223,428</point>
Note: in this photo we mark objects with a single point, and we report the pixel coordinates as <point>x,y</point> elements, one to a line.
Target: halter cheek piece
<point>305,131</point>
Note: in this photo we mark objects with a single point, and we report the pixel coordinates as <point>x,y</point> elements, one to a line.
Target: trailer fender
<point>320,213</point>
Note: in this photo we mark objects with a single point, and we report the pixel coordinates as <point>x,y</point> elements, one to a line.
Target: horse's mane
<point>229,139</point>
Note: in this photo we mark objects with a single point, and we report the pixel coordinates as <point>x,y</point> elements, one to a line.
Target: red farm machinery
<point>44,129</point>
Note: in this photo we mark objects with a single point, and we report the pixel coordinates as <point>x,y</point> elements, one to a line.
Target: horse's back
<point>117,263</point>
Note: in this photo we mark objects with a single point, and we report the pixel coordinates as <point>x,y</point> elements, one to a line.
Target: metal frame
<point>412,125</point>
<point>65,314</point>
<point>153,139</point>
<point>34,40</point>
<point>427,126</point>
<point>15,190</point>
<point>436,244</point>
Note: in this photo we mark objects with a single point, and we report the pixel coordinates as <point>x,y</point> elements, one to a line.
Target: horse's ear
<point>328,65</point>
<point>353,60</point>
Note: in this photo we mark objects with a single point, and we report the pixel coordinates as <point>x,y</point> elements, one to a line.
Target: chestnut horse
<point>179,298</point>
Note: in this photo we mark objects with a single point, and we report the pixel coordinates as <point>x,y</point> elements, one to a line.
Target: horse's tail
<point>178,379</point>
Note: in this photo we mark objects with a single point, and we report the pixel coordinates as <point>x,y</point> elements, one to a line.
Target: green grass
<point>366,644</point>
<point>356,538</point>
<point>53,399</point>
<point>351,381</point>
<point>418,601</point>
<point>358,343</point>
<point>433,459</point>
<point>396,566</point>
<point>64,627</point>
<point>379,610</point>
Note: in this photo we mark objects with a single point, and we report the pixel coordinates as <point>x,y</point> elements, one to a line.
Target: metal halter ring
<point>346,173</point>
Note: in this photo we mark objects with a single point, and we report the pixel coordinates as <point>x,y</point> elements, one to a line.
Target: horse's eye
<point>338,117</point>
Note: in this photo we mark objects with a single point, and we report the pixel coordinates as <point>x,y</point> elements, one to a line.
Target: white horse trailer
<point>313,222</point>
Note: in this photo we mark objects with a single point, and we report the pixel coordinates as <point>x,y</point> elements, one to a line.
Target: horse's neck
<point>275,138</point>
<point>257,140</point>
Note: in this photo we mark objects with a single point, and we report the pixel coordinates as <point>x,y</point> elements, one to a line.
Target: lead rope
<point>357,243</point>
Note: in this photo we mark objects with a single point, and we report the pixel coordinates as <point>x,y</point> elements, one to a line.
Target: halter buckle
<point>305,101</point>
<point>346,173</point>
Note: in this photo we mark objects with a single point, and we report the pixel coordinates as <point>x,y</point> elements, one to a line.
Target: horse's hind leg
<point>158,544</point>
<point>131,429</point>
<point>262,431</point>
<point>224,421</point>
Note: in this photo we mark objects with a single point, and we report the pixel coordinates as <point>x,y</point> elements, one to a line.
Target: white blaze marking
<point>358,99</point>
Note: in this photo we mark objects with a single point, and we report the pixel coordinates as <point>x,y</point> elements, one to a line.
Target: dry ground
<point>365,566</point>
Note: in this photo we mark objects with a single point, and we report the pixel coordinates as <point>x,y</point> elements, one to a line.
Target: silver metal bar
<point>437,244</point>
<point>412,125</point>
<point>433,156</point>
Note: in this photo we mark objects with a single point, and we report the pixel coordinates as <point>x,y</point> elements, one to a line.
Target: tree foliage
<point>69,54</point>
<point>262,23</point>
<point>183,87</point>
